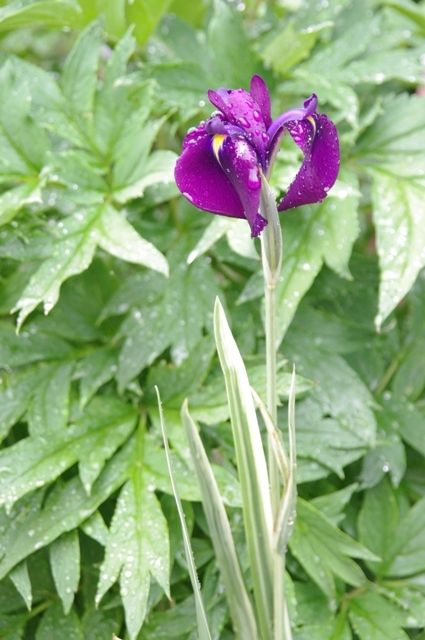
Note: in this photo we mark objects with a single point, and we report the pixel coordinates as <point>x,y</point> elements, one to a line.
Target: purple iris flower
<point>223,159</point>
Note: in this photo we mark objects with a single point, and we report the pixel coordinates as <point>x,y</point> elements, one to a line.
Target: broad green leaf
<point>372,616</point>
<point>49,407</point>
<point>325,551</point>
<point>98,625</point>
<point>37,460</point>
<point>158,169</point>
<point>22,582</point>
<point>137,547</point>
<point>411,10</point>
<point>388,456</point>
<point>71,254</point>
<point>252,469</point>
<point>79,76</point>
<point>338,411</point>
<point>13,625</point>
<point>94,371</point>
<point>96,528</point>
<point>55,626</point>
<point>65,565</point>
<point>411,600</point>
<point>15,395</point>
<point>378,519</point>
<point>176,320</point>
<point>45,13</point>
<point>145,15</point>
<point>116,236</point>
<point>406,555</point>
<point>66,507</point>
<point>227,39</point>
<point>237,233</point>
<point>324,233</point>
<point>242,614</point>
<point>12,201</point>
<point>409,379</point>
<point>289,46</point>
<point>332,504</point>
<point>23,142</point>
<point>399,215</point>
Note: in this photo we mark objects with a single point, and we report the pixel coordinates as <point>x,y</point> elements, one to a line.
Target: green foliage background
<point>95,99</point>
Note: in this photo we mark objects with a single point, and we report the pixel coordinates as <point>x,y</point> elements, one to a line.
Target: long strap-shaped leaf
<point>242,614</point>
<point>201,617</point>
<point>252,471</point>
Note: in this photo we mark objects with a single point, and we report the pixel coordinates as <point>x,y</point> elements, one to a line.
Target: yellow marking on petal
<point>217,143</point>
<point>313,122</point>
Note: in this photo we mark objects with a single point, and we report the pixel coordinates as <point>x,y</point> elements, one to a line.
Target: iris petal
<point>240,163</point>
<point>202,180</point>
<point>239,108</point>
<point>317,137</point>
<point>260,93</point>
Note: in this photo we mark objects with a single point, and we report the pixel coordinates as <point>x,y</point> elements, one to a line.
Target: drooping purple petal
<point>240,163</point>
<point>202,180</point>
<point>261,95</point>
<point>317,137</point>
<point>278,126</point>
<point>240,108</point>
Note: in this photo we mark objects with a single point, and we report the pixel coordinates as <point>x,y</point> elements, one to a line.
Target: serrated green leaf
<point>145,15</point>
<point>411,10</point>
<point>289,46</point>
<point>137,548</point>
<point>46,13</point>
<point>12,201</point>
<point>37,460</point>
<point>177,319</point>
<point>226,40</point>
<point>96,528</point>
<point>94,371</point>
<point>313,236</point>
<point>325,551</point>
<point>374,617</point>
<point>55,626</point>
<point>158,169</point>
<point>332,504</point>
<point>79,75</point>
<point>65,509</point>
<point>22,582</point>
<point>65,565</point>
<point>406,555</point>
<point>398,213</point>
<point>116,236</point>
<point>49,407</point>
<point>237,233</point>
<point>378,519</point>
<point>72,254</point>
<point>15,395</point>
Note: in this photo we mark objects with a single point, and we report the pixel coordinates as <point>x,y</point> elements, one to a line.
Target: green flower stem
<point>271,253</point>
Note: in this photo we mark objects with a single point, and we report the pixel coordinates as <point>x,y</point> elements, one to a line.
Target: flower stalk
<point>271,254</point>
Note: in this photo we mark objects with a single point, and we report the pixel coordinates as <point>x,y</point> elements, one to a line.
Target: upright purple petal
<point>239,108</point>
<point>240,163</point>
<point>318,138</point>
<point>202,180</point>
<point>261,95</point>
